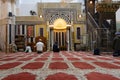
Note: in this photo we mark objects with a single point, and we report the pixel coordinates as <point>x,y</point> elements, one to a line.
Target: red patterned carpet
<point>100,76</point>
<point>58,66</point>
<point>61,76</point>
<point>20,76</point>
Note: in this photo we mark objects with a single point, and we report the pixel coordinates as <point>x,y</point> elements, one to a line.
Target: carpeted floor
<point>58,66</point>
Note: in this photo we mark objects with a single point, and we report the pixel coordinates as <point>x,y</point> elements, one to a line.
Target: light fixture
<point>40,16</point>
<point>91,2</point>
<point>80,16</point>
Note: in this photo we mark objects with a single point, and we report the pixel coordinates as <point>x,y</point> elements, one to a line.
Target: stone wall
<point>3,37</point>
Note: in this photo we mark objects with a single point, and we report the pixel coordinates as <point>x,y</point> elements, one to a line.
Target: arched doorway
<point>59,33</point>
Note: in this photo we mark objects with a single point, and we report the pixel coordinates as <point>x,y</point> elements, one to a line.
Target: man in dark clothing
<point>96,51</point>
<point>55,47</point>
<point>116,45</point>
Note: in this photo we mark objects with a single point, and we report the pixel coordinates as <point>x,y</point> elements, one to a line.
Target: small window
<point>78,33</point>
<point>41,31</point>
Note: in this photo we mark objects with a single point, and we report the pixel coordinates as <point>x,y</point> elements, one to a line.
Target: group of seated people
<point>39,46</point>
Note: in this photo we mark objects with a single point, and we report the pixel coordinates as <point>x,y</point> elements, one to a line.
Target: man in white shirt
<point>39,46</point>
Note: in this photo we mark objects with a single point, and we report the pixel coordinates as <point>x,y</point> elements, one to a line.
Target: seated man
<point>55,47</point>
<point>13,47</point>
<point>96,51</point>
<point>28,49</point>
<point>39,46</point>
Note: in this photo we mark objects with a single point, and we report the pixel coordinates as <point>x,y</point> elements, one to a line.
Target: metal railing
<point>92,20</point>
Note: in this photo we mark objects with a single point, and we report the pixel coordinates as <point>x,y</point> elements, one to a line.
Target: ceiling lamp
<point>91,2</point>
<point>40,16</point>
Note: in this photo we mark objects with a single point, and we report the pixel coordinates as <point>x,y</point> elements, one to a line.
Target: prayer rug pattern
<point>58,66</point>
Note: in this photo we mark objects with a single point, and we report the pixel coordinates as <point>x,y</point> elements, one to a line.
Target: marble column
<point>72,36</point>
<point>68,38</point>
<point>48,38</point>
<point>51,38</point>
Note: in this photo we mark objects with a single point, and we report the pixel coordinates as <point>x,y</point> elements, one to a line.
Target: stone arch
<point>57,16</point>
